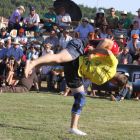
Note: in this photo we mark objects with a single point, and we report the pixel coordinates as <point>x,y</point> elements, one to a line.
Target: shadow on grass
<point>100,97</point>
<point>20,127</point>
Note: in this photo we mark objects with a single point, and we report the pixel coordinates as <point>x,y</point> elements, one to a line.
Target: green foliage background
<point>8,6</point>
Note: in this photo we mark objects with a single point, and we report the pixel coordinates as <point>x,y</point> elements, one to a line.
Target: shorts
<point>75,48</point>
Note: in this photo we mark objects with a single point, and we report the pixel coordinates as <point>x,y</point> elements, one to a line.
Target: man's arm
<point>36,86</point>
<point>36,23</point>
<point>16,18</point>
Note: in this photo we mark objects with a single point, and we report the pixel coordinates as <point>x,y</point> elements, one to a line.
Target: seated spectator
<point>52,40</point>
<point>6,37</point>
<point>47,49</point>
<point>120,30</point>
<point>138,18</point>
<point>32,51</point>
<point>64,40</point>
<point>104,32</point>
<point>49,20</point>
<point>112,20</point>
<point>125,92</point>
<point>12,70</point>
<point>15,19</point>
<point>37,40</point>
<point>91,35</point>
<point>22,39</point>
<point>124,61</point>
<point>31,21</point>
<point>17,51</point>
<point>99,19</point>
<point>133,46</point>
<point>135,29</point>
<point>63,21</point>
<point>126,55</point>
<point>3,52</point>
<point>24,84</point>
<point>83,29</point>
<point>122,39</point>
<point>127,21</point>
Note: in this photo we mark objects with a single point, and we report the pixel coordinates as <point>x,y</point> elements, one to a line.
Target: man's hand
<point>0,60</point>
<point>127,86</point>
<point>63,20</point>
<point>90,49</point>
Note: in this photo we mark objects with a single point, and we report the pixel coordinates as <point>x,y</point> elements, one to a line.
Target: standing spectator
<point>6,37</point>
<point>83,29</point>
<point>37,40</point>
<point>120,30</point>
<point>125,91</point>
<point>15,19</point>
<point>17,51</point>
<point>99,19</point>
<point>52,40</point>
<point>64,40</point>
<point>127,21</point>
<point>3,52</point>
<point>49,20</point>
<point>63,21</point>
<point>112,20</point>
<point>138,17</point>
<point>104,32</point>
<point>133,46</point>
<point>31,21</point>
<point>22,39</point>
<point>126,55</point>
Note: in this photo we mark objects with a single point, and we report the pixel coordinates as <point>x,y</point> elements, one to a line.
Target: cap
<point>51,7</point>
<point>3,29</point>
<point>32,8</point>
<point>138,10</point>
<point>62,8</point>
<point>126,74</point>
<point>85,18</point>
<point>105,24</point>
<point>120,36</point>
<point>121,22</point>
<point>21,30</point>
<point>37,31</point>
<point>21,7</point>
<point>2,41</point>
<point>134,36</point>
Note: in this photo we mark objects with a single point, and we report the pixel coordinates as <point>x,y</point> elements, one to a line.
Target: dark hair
<point>97,16</point>
<point>112,8</point>
<point>34,47</point>
<point>52,30</point>
<point>12,57</point>
<point>101,28</point>
<point>120,44</point>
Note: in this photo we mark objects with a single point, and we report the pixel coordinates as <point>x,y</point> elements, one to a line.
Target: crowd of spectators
<point>14,54</point>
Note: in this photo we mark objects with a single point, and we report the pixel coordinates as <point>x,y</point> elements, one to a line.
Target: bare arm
<point>97,34</point>
<point>35,24</point>
<point>36,86</point>
<point>16,18</point>
<point>23,42</point>
<point>111,34</point>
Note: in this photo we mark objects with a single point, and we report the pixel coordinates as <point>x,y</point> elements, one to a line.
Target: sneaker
<point>75,131</point>
<point>113,98</point>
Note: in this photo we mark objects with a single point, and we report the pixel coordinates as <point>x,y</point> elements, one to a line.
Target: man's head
<point>52,33</point>
<point>15,44</point>
<point>12,57</point>
<point>91,35</point>
<point>126,51</point>
<point>138,12</point>
<point>85,21</point>
<point>21,32</point>
<point>3,31</point>
<point>119,80</point>
<point>62,11</point>
<point>124,61</point>
<point>120,38</point>
<point>47,47</point>
<point>37,33</point>
<point>51,9</point>
<point>135,25</point>
<point>1,43</point>
<point>134,38</point>
<point>112,11</point>
<point>21,9</point>
<point>120,25</point>
<point>32,10</point>
<point>66,33</point>
<point>124,15</point>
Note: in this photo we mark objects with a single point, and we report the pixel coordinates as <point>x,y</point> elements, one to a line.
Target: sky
<point>120,5</point>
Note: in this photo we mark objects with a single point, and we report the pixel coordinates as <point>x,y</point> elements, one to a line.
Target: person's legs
<point>17,26</point>
<point>8,76</point>
<point>128,95</point>
<point>10,79</point>
<point>10,27</point>
<point>2,66</point>
<point>62,56</point>
<point>39,81</point>
<point>36,27</point>
<point>124,92</point>
<point>48,82</point>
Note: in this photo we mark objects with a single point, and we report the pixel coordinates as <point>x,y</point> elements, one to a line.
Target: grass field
<point>46,116</point>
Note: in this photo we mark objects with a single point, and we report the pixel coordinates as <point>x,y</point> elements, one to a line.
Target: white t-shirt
<point>23,38</point>
<point>131,47</point>
<point>66,18</point>
<point>63,42</point>
<point>50,52</point>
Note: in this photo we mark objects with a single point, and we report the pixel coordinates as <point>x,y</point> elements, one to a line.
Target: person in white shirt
<point>64,40</point>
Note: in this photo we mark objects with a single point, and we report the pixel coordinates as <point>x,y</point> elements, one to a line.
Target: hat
<point>3,29</point>
<point>32,8</point>
<point>100,11</point>
<point>120,36</point>
<point>21,7</point>
<point>21,30</point>
<point>85,18</point>
<point>2,41</point>
<point>105,23</point>
<point>124,13</point>
<point>15,42</point>
<point>126,74</point>
<point>121,22</point>
<point>62,8</point>
<point>51,7</point>
<point>134,36</point>
<point>37,31</point>
<point>138,10</point>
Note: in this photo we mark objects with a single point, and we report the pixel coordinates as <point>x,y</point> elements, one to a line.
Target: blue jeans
<point>63,83</point>
<point>126,93</point>
<point>33,28</point>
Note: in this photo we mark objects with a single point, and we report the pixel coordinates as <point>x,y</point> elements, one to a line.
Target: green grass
<point>46,116</point>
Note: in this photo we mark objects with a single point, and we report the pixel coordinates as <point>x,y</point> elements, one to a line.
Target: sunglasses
<point>89,35</point>
<point>32,47</point>
<point>46,47</point>
<point>84,21</point>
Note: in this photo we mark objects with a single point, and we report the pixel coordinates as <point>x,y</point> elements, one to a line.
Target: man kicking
<point>70,55</point>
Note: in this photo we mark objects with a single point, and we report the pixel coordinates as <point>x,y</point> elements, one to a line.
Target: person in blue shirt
<point>83,29</point>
